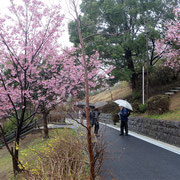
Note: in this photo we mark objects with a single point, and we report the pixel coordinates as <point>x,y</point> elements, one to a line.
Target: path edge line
<point>158,143</point>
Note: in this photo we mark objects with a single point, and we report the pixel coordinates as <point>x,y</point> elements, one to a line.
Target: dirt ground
<point>175,102</point>
<point>118,92</point>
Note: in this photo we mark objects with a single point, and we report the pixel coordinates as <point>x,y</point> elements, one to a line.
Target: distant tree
<point>28,35</point>
<point>122,27</point>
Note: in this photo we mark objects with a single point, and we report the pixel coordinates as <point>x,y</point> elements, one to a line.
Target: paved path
<point>129,158</point>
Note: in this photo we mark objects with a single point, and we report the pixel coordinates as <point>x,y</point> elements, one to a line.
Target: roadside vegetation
<point>62,156</point>
<point>123,91</point>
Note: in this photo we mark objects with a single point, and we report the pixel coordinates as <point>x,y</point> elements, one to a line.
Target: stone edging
<point>163,130</point>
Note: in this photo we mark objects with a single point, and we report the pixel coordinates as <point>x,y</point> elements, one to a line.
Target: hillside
<point>123,90</point>
<point>175,102</point>
<point>119,91</point>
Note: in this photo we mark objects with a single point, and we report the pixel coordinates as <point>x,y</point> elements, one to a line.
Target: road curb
<point>161,144</point>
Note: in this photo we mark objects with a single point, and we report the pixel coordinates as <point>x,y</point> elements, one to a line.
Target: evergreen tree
<point>119,29</point>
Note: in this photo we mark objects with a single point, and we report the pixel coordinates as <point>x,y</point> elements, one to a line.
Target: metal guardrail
<point>12,136</point>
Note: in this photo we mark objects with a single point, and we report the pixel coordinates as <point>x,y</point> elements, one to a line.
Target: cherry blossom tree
<point>86,76</point>
<point>33,71</point>
<point>168,47</point>
<point>28,36</point>
<point>66,77</point>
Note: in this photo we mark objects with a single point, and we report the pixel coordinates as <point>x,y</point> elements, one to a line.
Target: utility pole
<point>143,85</point>
<point>147,65</point>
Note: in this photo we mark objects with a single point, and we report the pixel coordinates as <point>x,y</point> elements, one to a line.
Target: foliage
<point>115,116</point>
<point>109,108</point>
<point>112,108</point>
<point>10,125</point>
<point>120,41</point>
<point>62,157</point>
<point>161,75</point>
<point>161,79</point>
<point>135,106</point>
<point>142,108</point>
<point>135,95</point>
<point>171,115</point>
<point>158,104</point>
<point>120,75</point>
<point>34,68</point>
<point>168,46</point>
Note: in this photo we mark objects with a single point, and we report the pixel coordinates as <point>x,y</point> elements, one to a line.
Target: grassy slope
<point>123,90</point>
<point>119,91</point>
<point>174,113</point>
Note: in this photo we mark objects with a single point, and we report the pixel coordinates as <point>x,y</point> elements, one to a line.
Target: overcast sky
<point>65,38</point>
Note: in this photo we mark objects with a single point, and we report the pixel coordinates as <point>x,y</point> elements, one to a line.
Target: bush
<point>135,106</point>
<point>142,108</point>
<point>112,108</point>
<point>62,157</point>
<point>136,95</point>
<point>9,125</point>
<point>158,104</point>
<point>115,116</point>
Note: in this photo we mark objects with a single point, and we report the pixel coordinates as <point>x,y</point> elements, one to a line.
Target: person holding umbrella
<point>125,109</point>
<point>123,114</point>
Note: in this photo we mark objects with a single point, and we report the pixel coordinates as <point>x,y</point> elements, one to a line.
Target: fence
<point>12,136</point>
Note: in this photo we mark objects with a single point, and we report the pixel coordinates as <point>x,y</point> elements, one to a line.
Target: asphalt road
<point>129,158</point>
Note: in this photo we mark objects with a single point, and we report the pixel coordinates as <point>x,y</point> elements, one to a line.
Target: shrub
<point>63,157</point>
<point>142,108</point>
<point>136,95</point>
<point>9,125</point>
<point>112,108</point>
<point>158,104</point>
<point>135,106</point>
<point>109,108</point>
<point>115,116</point>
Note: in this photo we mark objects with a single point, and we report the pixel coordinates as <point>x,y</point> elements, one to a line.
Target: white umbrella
<point>124,103</point>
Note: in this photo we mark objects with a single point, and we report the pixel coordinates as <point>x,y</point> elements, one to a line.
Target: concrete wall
<point>163,130</point>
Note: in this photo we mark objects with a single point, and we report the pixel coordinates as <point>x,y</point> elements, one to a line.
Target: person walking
<point>96,121</point>
<point>123,115</point>
<point>94,118</point>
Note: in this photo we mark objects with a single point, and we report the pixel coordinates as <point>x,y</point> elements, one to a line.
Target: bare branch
<point>78,122</point>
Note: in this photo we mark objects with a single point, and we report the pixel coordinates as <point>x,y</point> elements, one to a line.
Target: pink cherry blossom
<point>169,45</point>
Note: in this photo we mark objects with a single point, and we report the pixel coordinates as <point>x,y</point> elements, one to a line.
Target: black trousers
<point>124,125</point>
<point>96,128</point>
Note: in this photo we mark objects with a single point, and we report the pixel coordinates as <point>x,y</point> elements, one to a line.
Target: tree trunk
<point>45,125</point>
<point>128,57</point>
<point>89,137</point>
<point>15,158</point>
<point>14,155</point>
<point>15,152</point>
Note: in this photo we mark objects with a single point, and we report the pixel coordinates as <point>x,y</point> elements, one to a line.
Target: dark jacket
<point>94,116</point>
<point>123,114</point>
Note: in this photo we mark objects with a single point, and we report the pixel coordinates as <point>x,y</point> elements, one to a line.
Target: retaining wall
<point>163,130</point>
